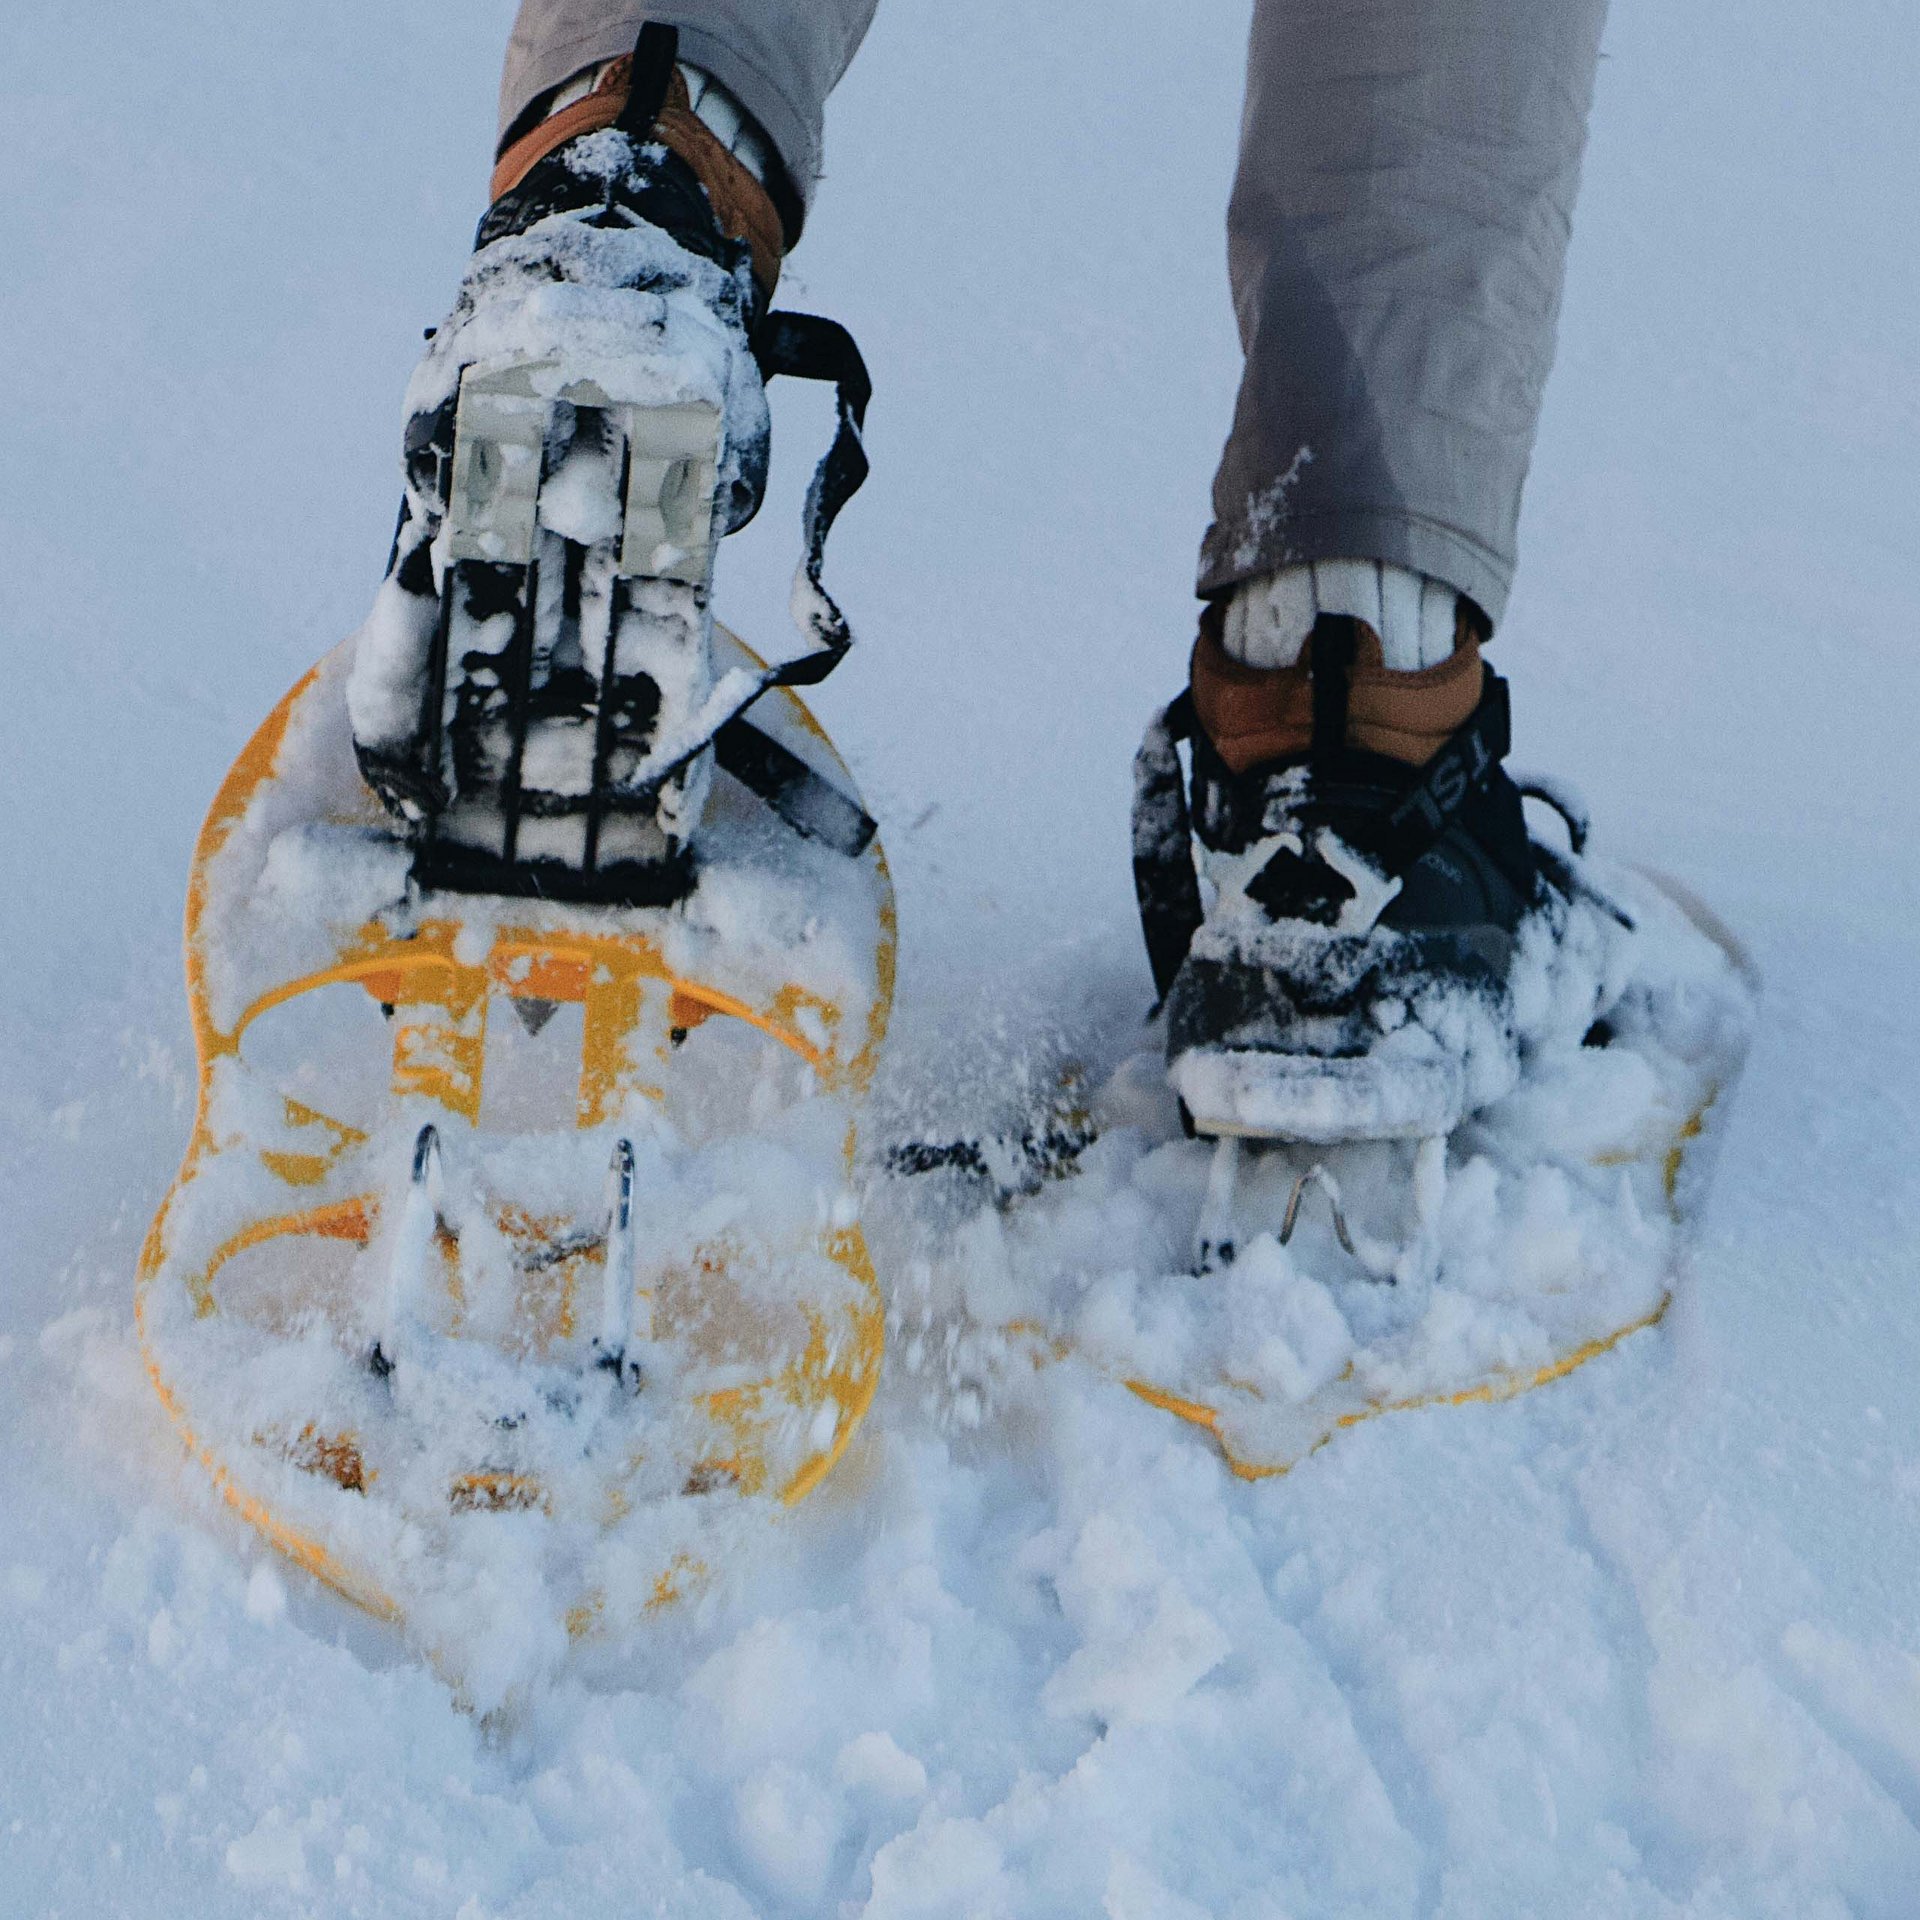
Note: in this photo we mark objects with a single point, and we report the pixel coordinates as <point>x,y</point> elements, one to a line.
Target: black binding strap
<point>655,55</point>
<point>1331,648</point>
<point>805,347</point>
<point>808,802</point>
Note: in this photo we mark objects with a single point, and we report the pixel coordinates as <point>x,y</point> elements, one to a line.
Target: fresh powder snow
<point>1642,1643</point>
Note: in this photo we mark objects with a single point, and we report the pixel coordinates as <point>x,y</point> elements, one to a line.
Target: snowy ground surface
<point>1644,1644</point>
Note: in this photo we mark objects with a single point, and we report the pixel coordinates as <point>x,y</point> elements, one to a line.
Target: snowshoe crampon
<point>1287,1292</point>
<point>514,1247</point>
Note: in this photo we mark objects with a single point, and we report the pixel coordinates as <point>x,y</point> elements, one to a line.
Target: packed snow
<point>1640,1643</point>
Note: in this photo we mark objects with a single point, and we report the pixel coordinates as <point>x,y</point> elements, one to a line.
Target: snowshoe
<point>1339,1282</point>
<point>513,1272</point>
<point>514,1230</point>
<point>1437,1105</point>
<point>1273,1294</point>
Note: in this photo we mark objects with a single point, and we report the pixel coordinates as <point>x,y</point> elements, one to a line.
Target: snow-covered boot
<point>535,693</point>
<point>1380,934</point>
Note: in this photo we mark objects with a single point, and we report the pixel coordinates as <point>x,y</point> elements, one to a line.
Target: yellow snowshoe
<point>1274,1294</point>
<point>513,1262</point>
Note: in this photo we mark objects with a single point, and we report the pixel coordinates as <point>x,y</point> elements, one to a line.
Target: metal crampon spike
<point>1213,1243</point>
<point>1317,1176</point>
<point>419,1220</point>
<point>534,1015</point>
<point>1429,1183</point>
<point>1381,1260</point>
<point>612,1346</point>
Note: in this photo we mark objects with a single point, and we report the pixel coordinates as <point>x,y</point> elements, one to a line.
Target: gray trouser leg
<point>779,58</point>
<point>1396,243</point>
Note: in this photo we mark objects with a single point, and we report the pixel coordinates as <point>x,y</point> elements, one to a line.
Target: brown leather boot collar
<point>1254,715</point>
<point>740,203</point>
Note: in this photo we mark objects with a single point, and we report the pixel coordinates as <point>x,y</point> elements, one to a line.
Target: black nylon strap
<point>806,347</point>
<point>1330,653</point>
<point>803,346</point>
<point>808,802</point>
<point>655,55</point>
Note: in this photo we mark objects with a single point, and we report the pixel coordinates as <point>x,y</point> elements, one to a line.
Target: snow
<point>1640,1644</point>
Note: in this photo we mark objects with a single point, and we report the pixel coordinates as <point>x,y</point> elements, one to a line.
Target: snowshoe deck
<point>476,1315</point>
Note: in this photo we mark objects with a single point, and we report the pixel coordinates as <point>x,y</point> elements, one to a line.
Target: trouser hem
<point>1234,552</point>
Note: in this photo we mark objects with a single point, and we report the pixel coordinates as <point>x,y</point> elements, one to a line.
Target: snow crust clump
<point>1145,1642</point>
<point>1287,1323</point>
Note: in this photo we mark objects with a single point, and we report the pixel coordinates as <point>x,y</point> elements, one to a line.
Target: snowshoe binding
<point>1357,974</point>
<point>513,1271</point>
